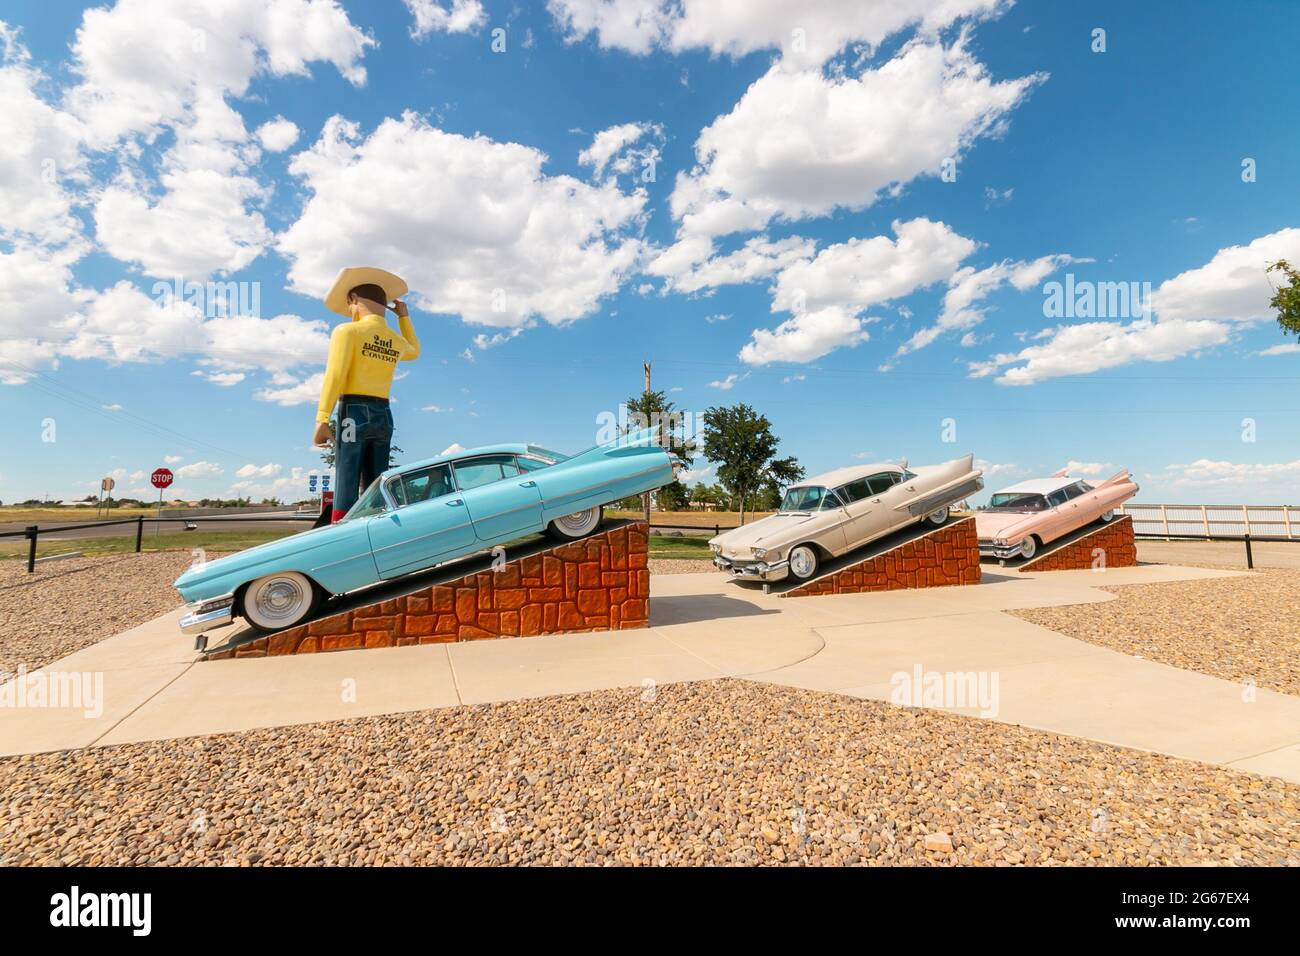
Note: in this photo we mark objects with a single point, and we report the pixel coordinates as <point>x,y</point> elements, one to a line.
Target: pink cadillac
<point>1021,519</point>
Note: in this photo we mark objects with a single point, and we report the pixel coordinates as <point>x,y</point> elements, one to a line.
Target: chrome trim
<point>601,484</point>
<point>940,499</point>
<point>398,544</point>
<point>755,572</point>
<point>205,616</point>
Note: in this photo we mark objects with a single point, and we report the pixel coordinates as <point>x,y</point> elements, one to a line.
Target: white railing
<point>1258,521</point>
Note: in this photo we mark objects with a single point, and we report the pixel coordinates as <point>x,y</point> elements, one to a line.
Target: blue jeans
<point>363,437</point>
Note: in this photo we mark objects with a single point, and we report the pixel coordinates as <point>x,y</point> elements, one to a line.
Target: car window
<point>476,472</point>
<point>530,464</point>
<point>883,482</point>
<point>423,484</point>
<point>1078,488</point>
<point>1056,498</point>
<point>830,501</point>
<point>1017,501</point>
<point>808,498</point>
<point>371,502</point>
<point>854,490</point>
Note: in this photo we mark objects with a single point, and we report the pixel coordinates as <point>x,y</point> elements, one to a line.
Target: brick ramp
<point>912,558</point>
<point>1110,543</point>
<point>601,583</point>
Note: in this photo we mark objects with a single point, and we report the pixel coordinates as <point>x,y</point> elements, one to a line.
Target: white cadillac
<point>831,514</point>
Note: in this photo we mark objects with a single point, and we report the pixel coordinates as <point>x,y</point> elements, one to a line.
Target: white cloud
<point>608,143</point>
<point>1085,469</point>
<point>728,383</point>
<point>860,273</point>
<point>143,63</point>
<point>1205,472</point>
<point>268,470</point>
<point>200,469</point>
<point>224,379</point>
<point>432,16</point>
<point>114,407</point>
<point>992,469</point>
<point>758,258</point>
<point>305,392</point>
<point>436,408</point>
<point>1290,348</point>
<point>452,449</point>
<point>172,459</point>
<point>801,144</point>
<point>969,286</point>
<point>39,154</point>
<point>804,337</point>
<point>806,33</point>
<point>492,238</point>
<point>1195,310</point>
<point>277,135</point>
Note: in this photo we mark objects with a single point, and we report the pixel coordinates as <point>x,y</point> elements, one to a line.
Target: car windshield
<point>370,503</point>
<point>1017,501</point>
<point>808,498</point>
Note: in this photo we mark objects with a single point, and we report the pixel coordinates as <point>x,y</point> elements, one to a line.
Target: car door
<point>1061,515</point>
<point>503,501</point>
<point>862,510</point>
<point>891,490</point>
<point>430,523</point>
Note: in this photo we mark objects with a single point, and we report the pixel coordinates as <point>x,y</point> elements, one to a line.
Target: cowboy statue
<point>358,377</point>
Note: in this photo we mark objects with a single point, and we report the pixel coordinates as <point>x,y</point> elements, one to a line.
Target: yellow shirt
<point>363,356</point>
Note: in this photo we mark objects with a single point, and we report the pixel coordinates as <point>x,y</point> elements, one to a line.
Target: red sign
<point>161,478</point>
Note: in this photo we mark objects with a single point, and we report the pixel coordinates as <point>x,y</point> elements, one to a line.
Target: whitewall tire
<point>1029,547</point>
<point>937,518</point>
<point>279,600</point>
<point>1108,516</point>
<point>803,562</point>
<point>577,525</point>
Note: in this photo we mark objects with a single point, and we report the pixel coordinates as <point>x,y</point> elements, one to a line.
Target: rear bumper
<point>754,570</point>
<point>210,614</point>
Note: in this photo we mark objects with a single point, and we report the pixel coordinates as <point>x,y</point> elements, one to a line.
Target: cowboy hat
<point>336,300</point>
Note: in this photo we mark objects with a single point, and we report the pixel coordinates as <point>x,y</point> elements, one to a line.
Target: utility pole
<point>646,497</point>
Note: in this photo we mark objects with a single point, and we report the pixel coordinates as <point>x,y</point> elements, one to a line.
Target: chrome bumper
<point>1004,552</point>
<point>758,571</point>
<point>206,615</point>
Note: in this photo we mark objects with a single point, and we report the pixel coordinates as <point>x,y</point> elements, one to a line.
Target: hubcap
<point>578,523</point>
<point>801,562</point>
<point>1028,548</point>
<point>279,599</point>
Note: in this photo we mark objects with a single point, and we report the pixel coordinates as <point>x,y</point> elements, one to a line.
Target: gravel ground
<point>81,601</point>
<point>680,566</point>
<point>1241,629</point>
<point>721,772</point>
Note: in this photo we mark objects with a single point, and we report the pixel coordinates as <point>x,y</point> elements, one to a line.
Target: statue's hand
<point>399,307</point>
<point>321,438</point>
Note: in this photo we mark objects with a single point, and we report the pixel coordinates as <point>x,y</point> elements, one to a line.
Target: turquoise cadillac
<point>419,515</point>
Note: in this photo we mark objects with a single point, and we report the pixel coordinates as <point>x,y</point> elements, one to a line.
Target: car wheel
<point>1108,516</point>
<point>803,562</point>
<point>279,600</point>
<point>937,518</point>
<point>577,525</point>
<point>1029,547</point>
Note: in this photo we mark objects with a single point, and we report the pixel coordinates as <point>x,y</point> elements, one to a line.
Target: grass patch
<point>123,544</point>
<point>686,549</point>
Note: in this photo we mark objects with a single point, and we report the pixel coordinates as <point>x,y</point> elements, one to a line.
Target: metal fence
<point>1280,522</point>
<point>33,532</point>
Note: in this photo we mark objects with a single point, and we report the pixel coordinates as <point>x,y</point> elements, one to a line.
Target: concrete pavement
<point>704,627</point>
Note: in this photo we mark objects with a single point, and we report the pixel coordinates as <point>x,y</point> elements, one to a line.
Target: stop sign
<point>161,478</point>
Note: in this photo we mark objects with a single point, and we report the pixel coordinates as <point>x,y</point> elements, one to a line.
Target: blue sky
<point>758,205</point>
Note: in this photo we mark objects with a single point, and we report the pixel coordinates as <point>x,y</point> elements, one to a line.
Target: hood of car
<point>770,532</point>
<point>299,545</point>
<point>1000,524</point>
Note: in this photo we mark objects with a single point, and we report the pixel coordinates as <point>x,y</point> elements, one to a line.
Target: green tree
<point>654,408</point>
<point>740,442</point>
<point>1287,298</point>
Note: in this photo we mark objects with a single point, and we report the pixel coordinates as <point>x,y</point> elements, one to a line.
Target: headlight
<point>1000,542</point>
<point>759,553</point>
<point>715,548</point>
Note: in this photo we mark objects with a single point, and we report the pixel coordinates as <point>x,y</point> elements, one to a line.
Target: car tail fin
<point>1117,478</point>
<point>641,438</point>
<point>1063,473</point>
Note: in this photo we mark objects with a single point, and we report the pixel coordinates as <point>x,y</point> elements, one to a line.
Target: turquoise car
<point>419,515</point>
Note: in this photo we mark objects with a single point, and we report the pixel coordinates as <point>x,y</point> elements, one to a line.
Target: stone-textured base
<point>1110,546</point>
<point>940,558</point>
<point>601,583</point>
